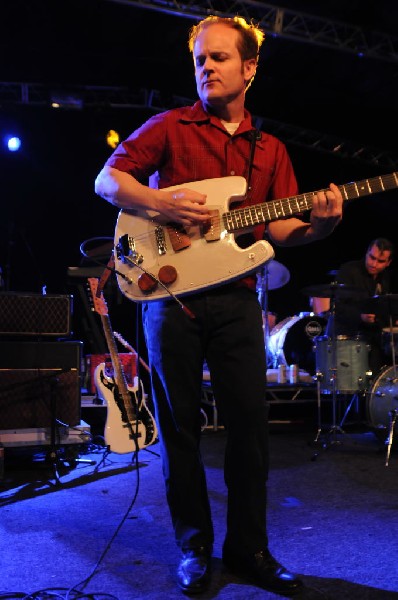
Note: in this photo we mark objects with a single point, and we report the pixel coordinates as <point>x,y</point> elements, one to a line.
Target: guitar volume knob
<point>167,274</point>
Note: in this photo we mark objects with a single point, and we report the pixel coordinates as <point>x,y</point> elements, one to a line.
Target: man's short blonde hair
<point>251,36</point>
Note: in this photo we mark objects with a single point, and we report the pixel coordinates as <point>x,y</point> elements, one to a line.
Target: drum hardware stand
<point>392,341</point>
<point>318,377</point>
<point>354,399</point>
<point>335,428</point>
<point>393,417</point>
<point>392,413</point>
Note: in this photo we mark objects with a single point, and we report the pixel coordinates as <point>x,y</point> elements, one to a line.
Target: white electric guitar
<point>156,260</point>
<point>129,424</point>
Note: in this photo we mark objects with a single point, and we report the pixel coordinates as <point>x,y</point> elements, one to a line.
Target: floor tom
<point>350,365</point>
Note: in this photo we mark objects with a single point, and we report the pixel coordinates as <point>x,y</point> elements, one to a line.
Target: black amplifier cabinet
<point>26,314</point>
<point>39,381</point>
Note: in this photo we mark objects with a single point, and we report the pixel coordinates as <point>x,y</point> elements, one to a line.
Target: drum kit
<point>342,364</point>
<point>338,364</point>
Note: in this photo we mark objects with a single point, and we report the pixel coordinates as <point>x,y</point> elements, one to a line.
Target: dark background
<point>314,97</point>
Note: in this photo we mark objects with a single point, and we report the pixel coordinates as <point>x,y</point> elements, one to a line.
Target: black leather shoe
<point>263,570</point>
<point>193,573</point>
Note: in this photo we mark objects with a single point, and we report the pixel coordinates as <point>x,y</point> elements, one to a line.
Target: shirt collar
<point>197,114</point>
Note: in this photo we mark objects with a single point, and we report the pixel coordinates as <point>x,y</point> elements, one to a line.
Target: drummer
<point>355,315</point>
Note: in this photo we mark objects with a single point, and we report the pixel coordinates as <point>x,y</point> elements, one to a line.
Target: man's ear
<point>249,68</point>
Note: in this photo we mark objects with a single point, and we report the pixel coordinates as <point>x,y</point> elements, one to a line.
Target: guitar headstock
<point>99,303</point>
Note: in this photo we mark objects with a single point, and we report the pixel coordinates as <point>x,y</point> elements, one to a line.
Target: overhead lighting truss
<point>34,94</point>
<point>284,22</point>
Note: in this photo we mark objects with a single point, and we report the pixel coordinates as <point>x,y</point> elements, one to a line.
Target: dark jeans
<point>227,333</point>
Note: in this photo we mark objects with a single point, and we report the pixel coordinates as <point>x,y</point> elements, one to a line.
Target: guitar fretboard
<point>249,216</point>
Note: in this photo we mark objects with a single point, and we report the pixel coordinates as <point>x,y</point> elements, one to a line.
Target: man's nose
<point>208,65</point>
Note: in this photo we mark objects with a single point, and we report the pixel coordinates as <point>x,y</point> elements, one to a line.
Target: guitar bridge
<point>126,250</point>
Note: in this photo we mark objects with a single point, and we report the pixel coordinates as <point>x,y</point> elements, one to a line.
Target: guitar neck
<point>273,210</point>
<point>119,376</point>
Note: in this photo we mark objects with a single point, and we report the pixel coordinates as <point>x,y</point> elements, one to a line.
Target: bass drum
<point>382,399</point>
<point>291,342</point>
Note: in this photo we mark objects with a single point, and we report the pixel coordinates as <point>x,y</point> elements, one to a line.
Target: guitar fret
<point>287,208</point>
<point>263,212</point>
<point>278,208</point>
<point>369,186</point>
<point>253,215</point>
<point>307,203</point>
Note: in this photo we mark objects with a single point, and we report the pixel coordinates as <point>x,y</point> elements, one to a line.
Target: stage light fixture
<point>13,143</point>
<point>112,138</point>
<point>66,100</point>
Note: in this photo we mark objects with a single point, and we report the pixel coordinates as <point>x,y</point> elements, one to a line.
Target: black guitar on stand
<point>129,425</point>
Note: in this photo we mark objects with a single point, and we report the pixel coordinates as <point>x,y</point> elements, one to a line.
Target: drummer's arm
<point>368,318</point>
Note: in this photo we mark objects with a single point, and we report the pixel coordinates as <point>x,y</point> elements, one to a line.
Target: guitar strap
<point>105,275</point>
<point>255,134</point>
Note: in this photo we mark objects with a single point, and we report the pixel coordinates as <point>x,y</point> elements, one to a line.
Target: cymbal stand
<point>335,428</point>
<point>392,341</point>
<point>392,413</point>
<point>393,417</point>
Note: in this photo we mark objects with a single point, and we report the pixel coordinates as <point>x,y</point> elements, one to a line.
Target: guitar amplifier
<point>26,314</point>
<point>39,381</point>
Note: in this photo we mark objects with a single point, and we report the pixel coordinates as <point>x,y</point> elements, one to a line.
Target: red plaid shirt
<point>188,144</point>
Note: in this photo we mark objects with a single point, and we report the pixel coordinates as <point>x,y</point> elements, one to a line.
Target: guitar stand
<point>53,455</point>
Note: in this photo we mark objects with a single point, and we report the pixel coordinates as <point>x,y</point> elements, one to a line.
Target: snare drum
<point>291,342</point>
<point>383,398</point>
<point>352,364</point>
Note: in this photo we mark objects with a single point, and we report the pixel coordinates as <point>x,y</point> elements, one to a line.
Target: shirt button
<point>232,173</point>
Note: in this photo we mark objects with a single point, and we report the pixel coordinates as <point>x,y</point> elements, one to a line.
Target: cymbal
<point>332,290</point>
<point>272,276</point>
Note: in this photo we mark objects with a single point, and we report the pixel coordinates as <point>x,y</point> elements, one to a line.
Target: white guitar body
<point>205,263</point>
<point>207,256</point>
<point>121,435</point>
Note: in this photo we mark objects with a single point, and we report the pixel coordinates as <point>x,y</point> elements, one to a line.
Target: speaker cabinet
<point>35,315</point>
<point>39,382</point>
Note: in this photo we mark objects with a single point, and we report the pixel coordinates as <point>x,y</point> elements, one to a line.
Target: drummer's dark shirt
<point>350,306</point>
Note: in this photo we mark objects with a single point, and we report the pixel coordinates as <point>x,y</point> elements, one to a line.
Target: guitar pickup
<point>126,250</point>
<point>212,228</point>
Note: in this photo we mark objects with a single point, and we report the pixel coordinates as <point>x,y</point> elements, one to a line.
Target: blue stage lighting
<point>13,143</point>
